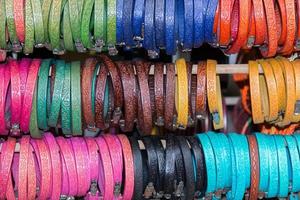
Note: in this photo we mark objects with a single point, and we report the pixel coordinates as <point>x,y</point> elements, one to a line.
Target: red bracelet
<point>23,167</point>
<point>129,168</point>
<point>106,181</point>
<point>19,9</point>
<point>67,155</point>
<point>24,65</point>
<point>56,165</point>
<point>4,83</point>
<point>44,162</point>
<point>28,96</point>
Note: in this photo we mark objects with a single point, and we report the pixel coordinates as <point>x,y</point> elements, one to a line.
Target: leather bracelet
<point>290,91</point>
<point>119,21</point>
<point>182,94</point>
<point>46,7</point>
<point>68,38</point>
<point>170,167</point>
<point>138,18</point>
<point>28,96</point>
<point>257,114</point>
<point>57,93</point>
<point>76,99</point>
<point>18,11</point>
<point>130,101</point>
<point>214,94</point>
<point>29,30</point>
<point>227,159</point>
<point>24,65</point>
<point>11,25</point>
<point>144,106</point>
<point>209,162</point>
<point>107,184</point>
<point>270,48</point>
<point>128,167</point>
<point>67,155</point>
<point>116,156</point>
<point>3,32</point>
<point>283,166</point>
<point>254,167</point>
<point>189,25</point>
<point>38,23</point>
<point>44,162</point>
<point>281,88</point>
<point>66,102</point>
<point>149,29</point>
<point>33,126</point>
<point>159,93</point>
<point>138,168</point>
<point>297,25</point>
<point>23,166</point>
<point>16,100</point>
<point>224,34</point>
<point>296,117</point>
<point>179,22</point>
<point>126,24</point>
<point>159,20</point>
<point>260,22</point>
<point>82,166</point>
<point>5,72</point>
<point>188,166</point>
<point>54,26</point>
<point>56,165</point>
<point>32,179</point>
<point>87,10</point>
<point>152,167</point>
<point>170,97</point>
<point>170,26</point>
<point>265,101</point>
<point>211,7</point>
<point>100,24</point>
<point>201,104</point>
<point>7,153</point>
<point>199,16</point>
<point>272,90</point>
<point>65,178</point>
<point>86,84</point>
<point>111,27</point>
<point>281,14</point>
<point>117,86</point>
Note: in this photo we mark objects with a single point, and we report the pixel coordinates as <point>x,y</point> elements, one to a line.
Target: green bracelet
<point>29,30</point>
<point>3,44</point>
<point>34,129</point>
<point>76,99</point>
<point>46,7</point>
<point>85,24</point>
<point>68,39</point>
<point>66,102</point>
<point>94,88</point>
<point>100,24</point>
<point>75,22</point>
<point>11,26</point>
<point>54,26</point>
<point>43,93</point>
<point>38,23</point>
<point>57,93</point>
<point>111,26</point>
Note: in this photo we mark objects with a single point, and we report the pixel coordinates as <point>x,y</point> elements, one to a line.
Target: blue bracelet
<point>273,167</point>
<point>209,20</point>
<point>227,160</point>
<point>209,162</point>
<point>263,163</point>
<point>138,19</point>
<point>240,161</point>
<point>244,142</point>
<point>283,166</point>
<point>127,22</point>
<point>293,147</point>
<point>149,34</point>
<point>198,22</point>
<point>119,21</point>
<point>180,21</point>
<point>231,193</point>
<point>188,24</point>
<point>218,154</point>
<point>160,23</point>
<point>170,27</point>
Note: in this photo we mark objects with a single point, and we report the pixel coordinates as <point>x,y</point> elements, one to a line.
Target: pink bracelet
<point>115,151</point>
<point>129,168</point>
<point>94,167</point>
<point>24,65</point>
<point>44,162</point>
<point>23,170</point>
<point>67,155</point>
<point>31,174</point>
<point>56,165</point>
<point>106,181</point>
<point>28,96</point>
<point>16,100</point>
<point>15,171</point>
<point>4,83</point>
<point>7,153</point>
<point>82,165</point>
<point>65,179</point>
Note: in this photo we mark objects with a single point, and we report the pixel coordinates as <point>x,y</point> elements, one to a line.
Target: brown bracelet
<point>159,93</point>
<point>170,97</point>
<point>144,106</point>
<point>88,70</point>
<point>189,67</point>
<point>100,94</point>
<point>130,100</point>
<point>201,101</point>
<point>117,87</point>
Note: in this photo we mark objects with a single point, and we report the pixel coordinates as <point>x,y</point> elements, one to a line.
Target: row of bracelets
<point>103,25</point>
<point>210,165</point>
<point>101,95</point>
